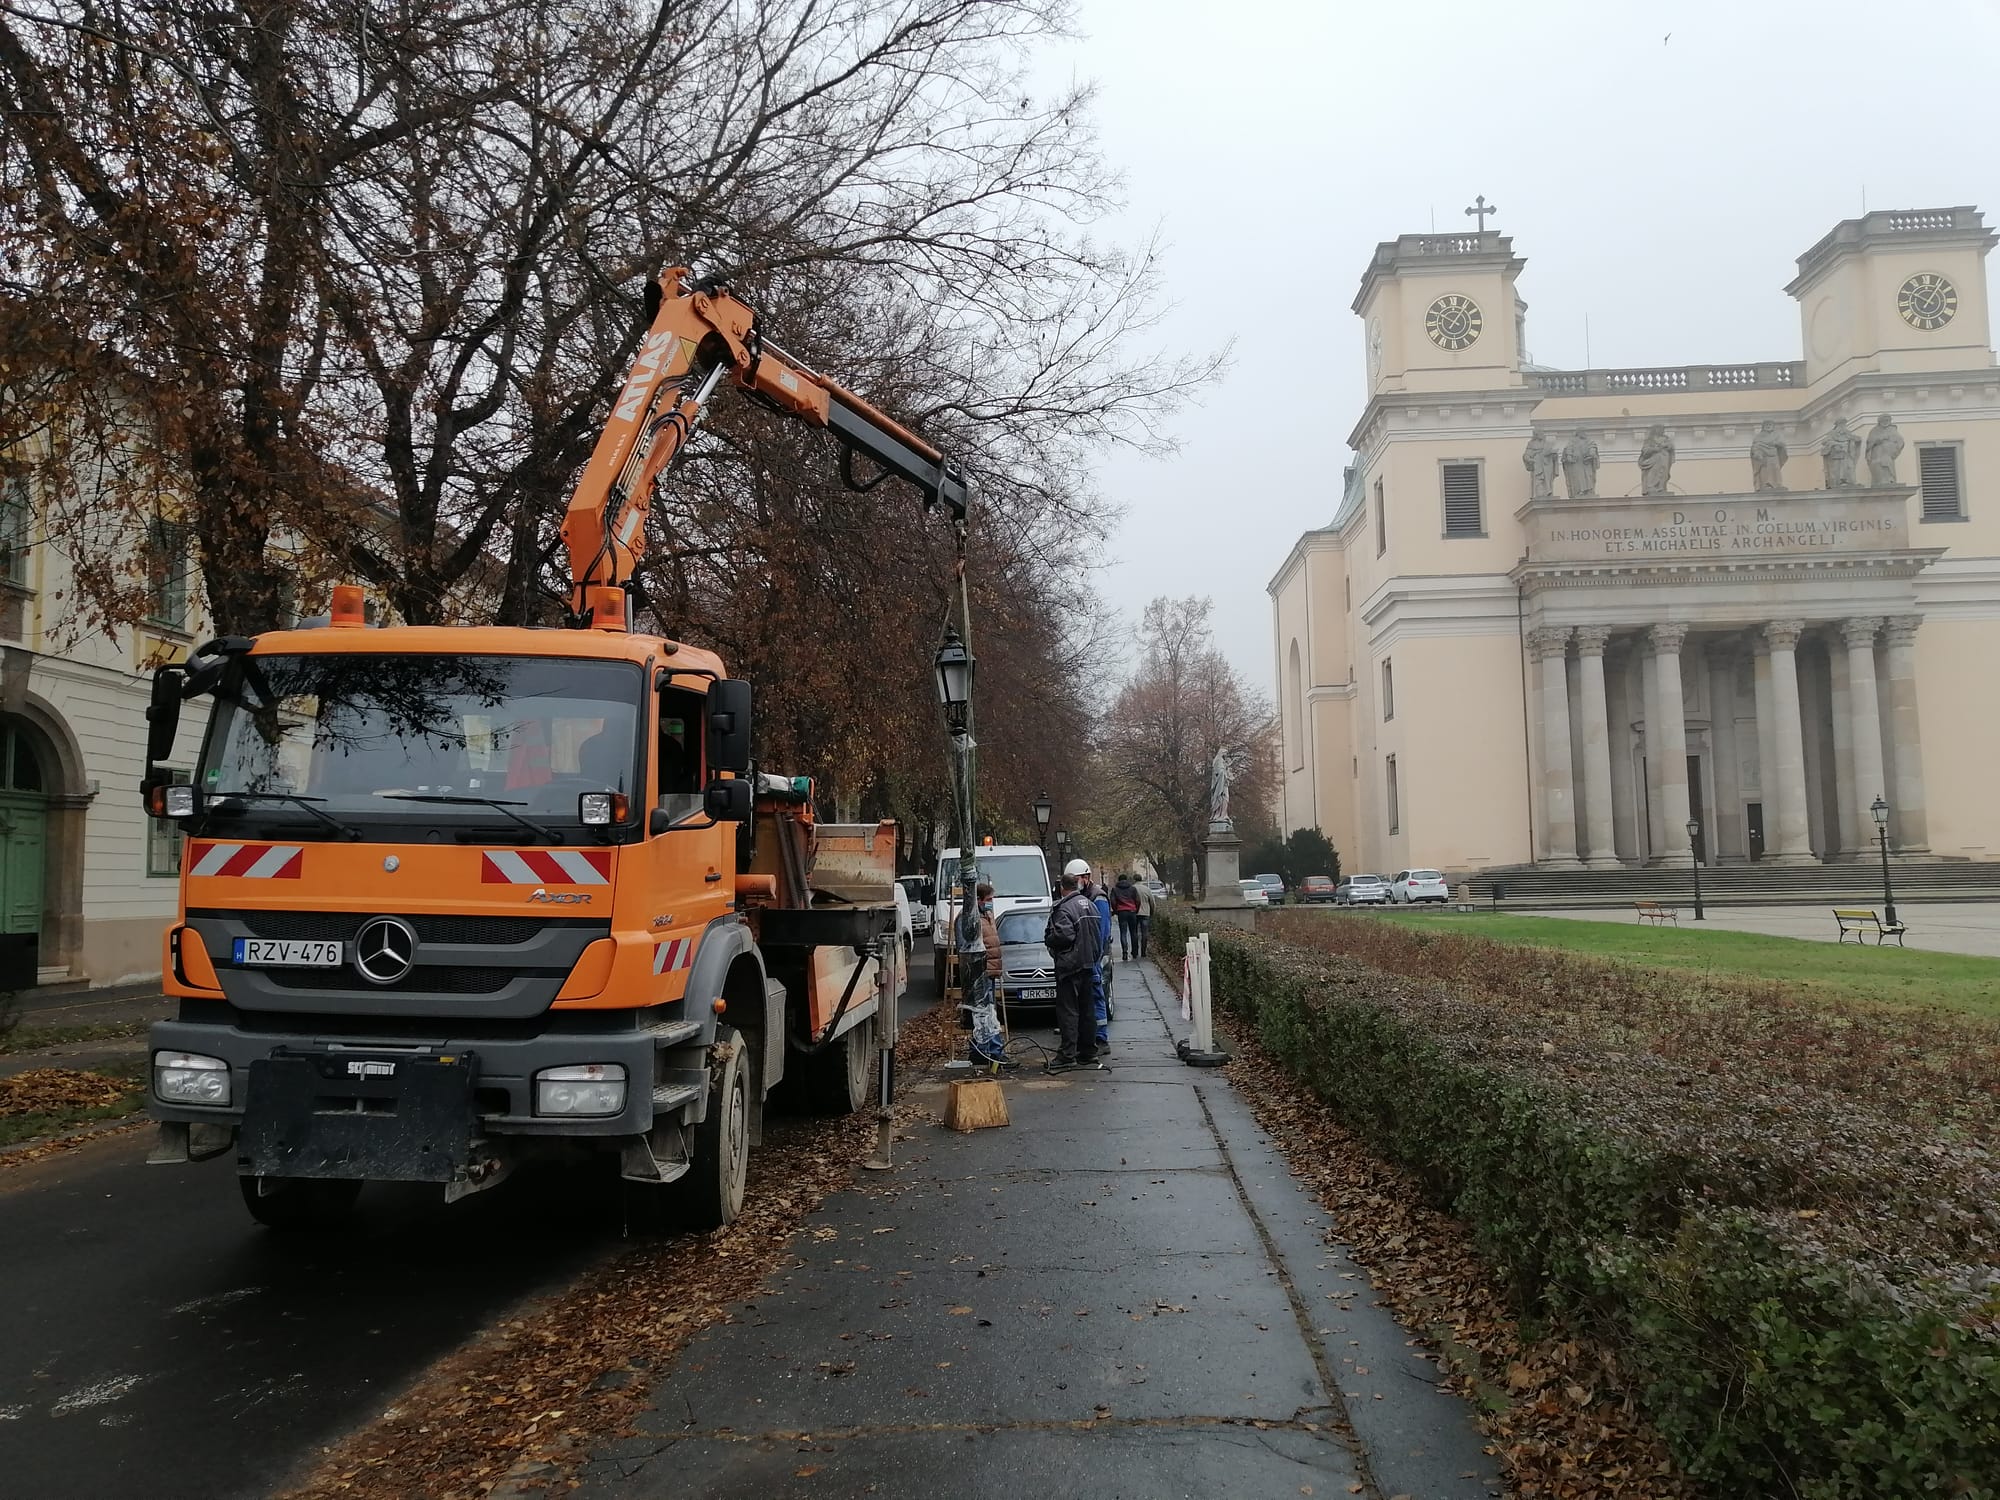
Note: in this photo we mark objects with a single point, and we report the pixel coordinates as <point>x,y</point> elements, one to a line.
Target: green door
<point>24,820</point>
<point>23,830</point>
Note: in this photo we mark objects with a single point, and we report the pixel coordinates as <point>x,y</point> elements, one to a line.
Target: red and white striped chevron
<point>247,861</point>
<point>674,953</point>
<point>546,867</point>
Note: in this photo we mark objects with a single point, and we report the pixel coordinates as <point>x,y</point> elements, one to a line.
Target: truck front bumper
<point>302,1105</point>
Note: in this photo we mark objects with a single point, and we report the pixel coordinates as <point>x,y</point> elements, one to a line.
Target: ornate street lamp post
<point>1694,859</point>
<point>1881,811</point>
<point>1044,810</point>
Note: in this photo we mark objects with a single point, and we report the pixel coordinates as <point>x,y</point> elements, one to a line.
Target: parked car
<point>1027,969</point>
<point>1364,890</point>
<point>1318,888</point>
<point>916,888</point>
<point>1157,887</point>
<point>1412,886</point>
<point>1254,893</point>
<point>1274,887</point>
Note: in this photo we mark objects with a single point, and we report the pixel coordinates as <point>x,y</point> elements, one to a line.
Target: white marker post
<point>1198,1051</point>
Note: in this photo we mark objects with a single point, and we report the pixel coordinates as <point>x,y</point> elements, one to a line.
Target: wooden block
<point>976,1104</point>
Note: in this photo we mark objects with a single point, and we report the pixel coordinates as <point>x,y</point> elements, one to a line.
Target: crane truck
<point>453,898</point>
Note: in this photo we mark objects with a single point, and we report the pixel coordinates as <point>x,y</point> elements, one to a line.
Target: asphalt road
<point>154,1341</point>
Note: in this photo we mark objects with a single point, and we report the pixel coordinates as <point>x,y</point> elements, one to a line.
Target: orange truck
<point>455,898</point>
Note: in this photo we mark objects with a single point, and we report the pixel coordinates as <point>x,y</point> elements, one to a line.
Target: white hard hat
<point>1077,867</point>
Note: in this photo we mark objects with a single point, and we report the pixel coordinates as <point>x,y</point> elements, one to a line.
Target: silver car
<point>1364,890</point>
<point>1027,969</point>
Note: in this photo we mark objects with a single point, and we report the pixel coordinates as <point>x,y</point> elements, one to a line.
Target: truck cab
<point>457,897</point>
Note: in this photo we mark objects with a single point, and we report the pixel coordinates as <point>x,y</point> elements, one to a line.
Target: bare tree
<point>1164,728</point>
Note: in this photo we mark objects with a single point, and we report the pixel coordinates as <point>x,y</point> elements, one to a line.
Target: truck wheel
<point>298,1203</point>
<point>836,1080</point>
<point>711,1194</point>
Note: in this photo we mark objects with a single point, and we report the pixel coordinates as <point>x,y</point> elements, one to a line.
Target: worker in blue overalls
<point>1101,982</point>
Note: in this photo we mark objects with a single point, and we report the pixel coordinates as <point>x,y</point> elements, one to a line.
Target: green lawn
<point>1892,976</point>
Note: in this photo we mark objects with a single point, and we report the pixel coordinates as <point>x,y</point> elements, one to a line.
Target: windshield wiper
<point>507,808</point>
<point>308,803</point>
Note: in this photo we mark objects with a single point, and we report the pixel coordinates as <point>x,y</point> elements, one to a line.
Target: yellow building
<point>1562,614</point>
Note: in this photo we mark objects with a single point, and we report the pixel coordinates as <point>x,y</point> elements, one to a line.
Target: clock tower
<point>1896,291</point>
<point>1439,313</point>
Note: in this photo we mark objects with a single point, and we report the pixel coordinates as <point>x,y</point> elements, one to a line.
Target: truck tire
<point>835,1081</point>
<point>710,1195</point>
<point>292,1204</point>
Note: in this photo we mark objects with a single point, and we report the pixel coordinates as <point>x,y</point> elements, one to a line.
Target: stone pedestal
<point>1221,903</point>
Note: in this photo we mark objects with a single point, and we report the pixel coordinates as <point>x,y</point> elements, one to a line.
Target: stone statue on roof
<point>1767,458</point>
<point>1579,463</point>
<point>1885,446</point>
<point>1656,461</point>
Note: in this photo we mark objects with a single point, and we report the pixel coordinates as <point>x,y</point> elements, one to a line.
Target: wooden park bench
<point>1859,920</point>
<point>1657,911</point>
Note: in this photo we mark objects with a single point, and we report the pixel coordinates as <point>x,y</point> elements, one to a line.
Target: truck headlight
<point>190,1078</point>
<point>581,1089</point>
<point>180,801</point>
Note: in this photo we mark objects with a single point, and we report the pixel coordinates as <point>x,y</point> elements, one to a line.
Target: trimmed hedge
<point>1805,1288</point>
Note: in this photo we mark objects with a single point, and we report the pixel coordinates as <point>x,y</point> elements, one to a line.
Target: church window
<point>1395,800</point>
<point>1464,510</point>
<point>1381,522</point>
<point>163,838</point>
<point>17,519</point>
<point>168,544</point>
<point>1388,690</point>
<point>1938,475</point>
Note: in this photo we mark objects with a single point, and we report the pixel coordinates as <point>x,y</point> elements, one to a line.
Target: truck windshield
<point>1012,875</point>
<point>372,733</point>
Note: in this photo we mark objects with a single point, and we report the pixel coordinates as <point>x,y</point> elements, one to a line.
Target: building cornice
<point>1536,577</point>
<point>1323,539</point>
<point>1438,254</point>
<point>1891,229</point>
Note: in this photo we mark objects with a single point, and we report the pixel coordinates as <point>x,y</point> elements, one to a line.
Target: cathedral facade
<point>1617,617</point>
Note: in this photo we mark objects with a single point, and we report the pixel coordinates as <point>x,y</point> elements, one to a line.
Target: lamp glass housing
<point>1881,811</point>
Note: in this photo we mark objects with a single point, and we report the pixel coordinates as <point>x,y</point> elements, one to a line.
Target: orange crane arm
<point>695,336</point>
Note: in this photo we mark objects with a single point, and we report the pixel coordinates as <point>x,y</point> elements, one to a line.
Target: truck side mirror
<point>729,726</point>
<point>163,723</point>
<point>727,801</point>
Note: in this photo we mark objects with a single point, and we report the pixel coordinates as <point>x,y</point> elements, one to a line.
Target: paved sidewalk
<point>1939,926</point>
<point>1123,1293</point>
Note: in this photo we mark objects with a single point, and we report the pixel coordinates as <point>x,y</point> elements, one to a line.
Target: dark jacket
<point>1073,936</point>
<point>1125,896</point>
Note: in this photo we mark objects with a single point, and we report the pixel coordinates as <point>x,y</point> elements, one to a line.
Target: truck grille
<point>426,979</point>
<point>339,926</point>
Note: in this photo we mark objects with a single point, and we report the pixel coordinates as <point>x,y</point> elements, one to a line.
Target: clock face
<point>1453,322</point>
<point>1927,301</point>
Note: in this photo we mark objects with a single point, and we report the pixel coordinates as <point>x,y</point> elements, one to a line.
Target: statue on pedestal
<point>1656,461</point>
<point>1218,789</point>
<point>1841,450</point>
<point>1579,463</point>
<point>1540,459</point>
<point>1885,446</point>
<point>1767,458</point>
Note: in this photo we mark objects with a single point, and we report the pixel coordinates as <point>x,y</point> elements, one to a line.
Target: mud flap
<point>392,1118</point>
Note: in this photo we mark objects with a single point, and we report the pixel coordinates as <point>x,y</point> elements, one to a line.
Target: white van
<point>1019,875</point>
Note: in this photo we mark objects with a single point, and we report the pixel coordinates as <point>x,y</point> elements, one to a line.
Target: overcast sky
<point>1661,167</point>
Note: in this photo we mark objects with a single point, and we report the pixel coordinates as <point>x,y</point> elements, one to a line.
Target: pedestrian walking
<point>1144,921</point>
<point>1125,907</point>
<point>1073,940</point>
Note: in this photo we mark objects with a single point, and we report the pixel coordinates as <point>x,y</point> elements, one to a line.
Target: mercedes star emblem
<point>384,950</point>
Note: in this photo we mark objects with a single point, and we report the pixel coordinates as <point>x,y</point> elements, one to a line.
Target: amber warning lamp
<point>350,607</point>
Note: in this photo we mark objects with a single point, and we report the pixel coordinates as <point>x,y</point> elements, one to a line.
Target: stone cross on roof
<point>1481,209</point>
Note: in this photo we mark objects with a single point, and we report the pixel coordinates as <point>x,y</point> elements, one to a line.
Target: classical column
<point>1549,646</point>
<point>1865,716</point>
<point>1618,690</point>
<point>1767,740</point>
<point>1844,837</point>
<point>1907,825</point>
<point>1785,778</point>
<point>1670,746</point>
<point>1596,713</point>
<point>1652,833</point>
<point>1728,809</point>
